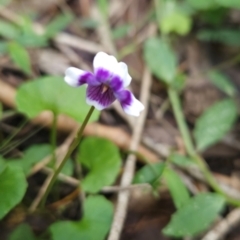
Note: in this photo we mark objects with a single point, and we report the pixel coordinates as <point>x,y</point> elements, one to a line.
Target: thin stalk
<point>53,137</point>
<point>175,102</point>
<point>72,147</point>
<point>177,109</point>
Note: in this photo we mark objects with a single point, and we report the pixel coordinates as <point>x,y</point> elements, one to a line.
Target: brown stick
<point>66,124</point>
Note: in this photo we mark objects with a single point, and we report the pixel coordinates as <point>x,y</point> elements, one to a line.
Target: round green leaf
<point>95,224</point>
<point>22,232</point>
<point>195,216</point>
<point>161,59</point>
<point>52,93</point>
<point>101,157</point>
<point>12,188</point>
<point>215,122</point>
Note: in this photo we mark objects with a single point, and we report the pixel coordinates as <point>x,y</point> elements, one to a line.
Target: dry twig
<point>224,226</point>
<point>123,197</point>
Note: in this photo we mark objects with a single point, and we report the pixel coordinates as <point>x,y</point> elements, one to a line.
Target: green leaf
<point>195,216</point>
<point>229,3</point>
<point>121,31</point>
<point>52,93</point>
<point>89,23</point>
<point>150,173</point>
<point>31,156</point>
<point>101,157</point>
<point>3,47</point>
<point>58,24</point>
<point>20,56</point>
<point>95,224</point>
<point>214,123</point>
<point>181,160</point>
<point>160,59</point>
<point>8,30</point>
<point>176,22</point>
<point>222,82</point>
<point>203,4</point>
<point>176,187</point>
<point>12,188</point>
<point>225,36</point>
<point>22,232</point>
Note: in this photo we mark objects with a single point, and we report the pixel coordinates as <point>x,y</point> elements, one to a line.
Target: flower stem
<point>175,102</point>
<point>72,147</point>
<point>53,138</point>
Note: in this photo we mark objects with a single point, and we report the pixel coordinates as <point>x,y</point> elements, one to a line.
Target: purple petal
<point>116,84</point>
<point>129,103</point>
<point>103,75</point>
<point>100,96</point>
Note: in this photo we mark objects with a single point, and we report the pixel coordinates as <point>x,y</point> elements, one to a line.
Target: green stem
<point>53,138</point>
<point>72,147</point>
<point>174,99</point>
<point>175,102</point>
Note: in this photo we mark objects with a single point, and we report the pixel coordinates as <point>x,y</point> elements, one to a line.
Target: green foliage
<point>22,232</point>
<point>226,36</point>
<point>12,188</point>
<point>31,156</point>
<point>174,19</point>
<point>101,157</point>
<point>95,224</point>
<point>176,22</point>
<point>180,160</point>
<point>229,3</point>
<point>195,216</point>
<point>215,122</point>
<point>203,4</point>
<point>8,30</point>
<point>222,82</point>
<point>58,24</point>
<point>20,56</point>
<point>150,173</point>
<point>176,187</point>
<point>160,59</point>
<point>52,93</point>
<point>121,31</point>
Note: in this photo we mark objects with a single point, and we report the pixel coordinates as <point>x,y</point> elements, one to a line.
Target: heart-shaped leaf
<point>12,188</point>
<point>95,224</point>
<point>52,93</point>
<point>101,157</point>
<point>30,157</point>
<point>195,216</point>
<point>22,232</point>
<point>215,122</point>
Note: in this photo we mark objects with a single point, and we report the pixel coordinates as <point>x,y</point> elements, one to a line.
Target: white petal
<point>72,76</point>
<point>135,108</point>
<point>94,103</point>
<point>105,61</point>
<point>122,71</point>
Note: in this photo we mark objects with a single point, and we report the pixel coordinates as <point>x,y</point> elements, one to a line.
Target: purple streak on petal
<point>116,84</point>
<point>88,78</point>
<point>124,97</point>
<point>99,94</point>
<point>102,75</point>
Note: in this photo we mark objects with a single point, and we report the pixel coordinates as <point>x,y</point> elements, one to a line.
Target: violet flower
<point>106,84</point>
